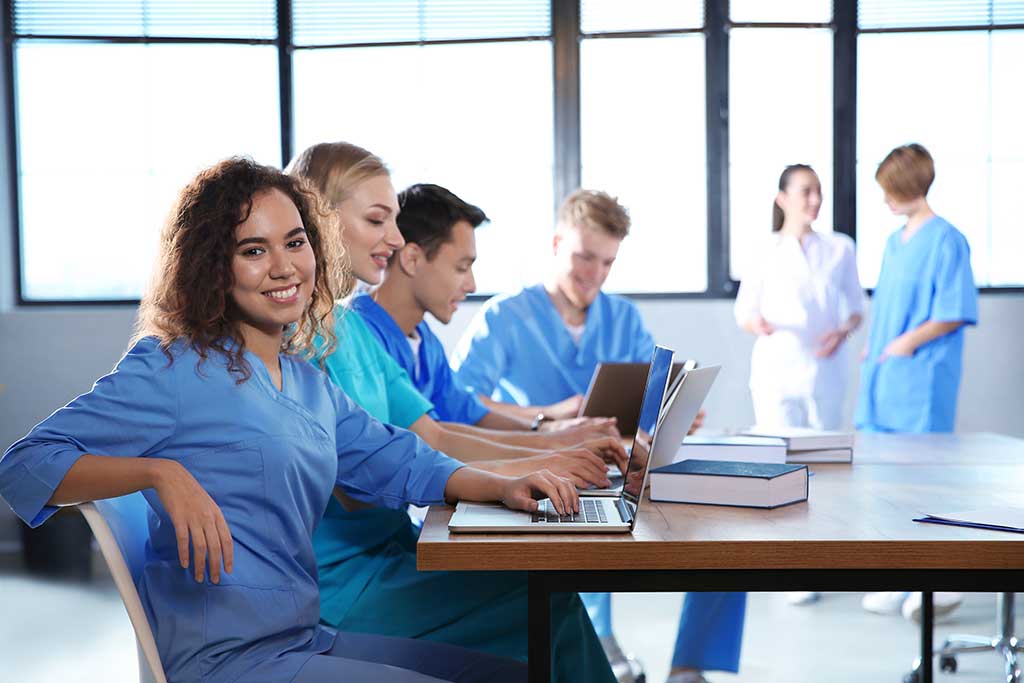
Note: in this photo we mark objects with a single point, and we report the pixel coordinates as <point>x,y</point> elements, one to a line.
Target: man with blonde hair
<point>540,345</point>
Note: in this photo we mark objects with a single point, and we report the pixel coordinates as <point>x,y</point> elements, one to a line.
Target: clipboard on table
<point>993,519</point>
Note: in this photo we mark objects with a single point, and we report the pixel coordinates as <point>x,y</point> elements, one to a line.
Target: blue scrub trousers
<point>710,628</point>
<point>363,658</point>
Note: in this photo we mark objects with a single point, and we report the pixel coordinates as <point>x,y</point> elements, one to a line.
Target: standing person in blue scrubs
<point>366,556</point>
<point>237,444</point>
<point>924,299</point>
<point>541,344</point>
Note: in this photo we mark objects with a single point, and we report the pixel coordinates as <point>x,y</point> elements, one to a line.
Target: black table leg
<point>539,620</point>
<point>927,628</point>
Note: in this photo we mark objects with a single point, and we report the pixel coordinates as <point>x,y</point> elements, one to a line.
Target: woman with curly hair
<point>237,444</point>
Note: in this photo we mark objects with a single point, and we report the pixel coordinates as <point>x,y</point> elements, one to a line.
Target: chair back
<point>121,529</point>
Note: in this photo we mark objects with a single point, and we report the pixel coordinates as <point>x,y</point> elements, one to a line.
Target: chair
<point>121,530</point>
<point>1004,643</point>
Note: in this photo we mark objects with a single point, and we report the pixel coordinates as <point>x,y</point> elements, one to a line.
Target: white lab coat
<point>804,292</point>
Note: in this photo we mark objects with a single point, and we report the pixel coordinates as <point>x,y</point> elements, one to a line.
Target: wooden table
<point>854,534</point>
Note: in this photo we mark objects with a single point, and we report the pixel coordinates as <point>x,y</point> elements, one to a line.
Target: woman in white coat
<point>802,298</point>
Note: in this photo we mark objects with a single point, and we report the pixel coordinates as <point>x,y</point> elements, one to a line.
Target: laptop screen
<point>650,409</point>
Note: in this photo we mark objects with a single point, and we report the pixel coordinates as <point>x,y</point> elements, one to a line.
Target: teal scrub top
<point>343,542</point>
<point>365,371</point>
<point>928,277</point>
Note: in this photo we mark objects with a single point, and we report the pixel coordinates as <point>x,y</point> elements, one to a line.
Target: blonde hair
<point>595,210</point>
<point>334,169</point>
<point>907,172</point>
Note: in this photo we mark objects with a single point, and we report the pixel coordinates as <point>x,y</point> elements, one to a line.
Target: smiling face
<point>441,283</point>
<point>583,259</point>
<point>369,231</point>
<point>273,265</point>
<point>801,200</point>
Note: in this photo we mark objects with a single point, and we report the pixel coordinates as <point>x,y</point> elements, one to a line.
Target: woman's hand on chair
<point>195,516</point>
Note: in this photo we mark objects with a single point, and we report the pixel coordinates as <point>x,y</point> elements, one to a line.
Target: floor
<point>48,629</point>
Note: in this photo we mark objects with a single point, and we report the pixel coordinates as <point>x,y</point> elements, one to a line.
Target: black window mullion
<point>10,159</point>
<point>716,13</point>
<point>844,117</point>
<point>565,29</point>
<point>284,75</point>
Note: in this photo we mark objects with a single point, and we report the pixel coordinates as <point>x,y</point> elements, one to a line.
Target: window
<point>642,139</point>
<point>780,102</point>
<point>109,132</point>
<point>958,93</point>
<point>642,136</point>
<point>687,111</point>
<point>475,118</point>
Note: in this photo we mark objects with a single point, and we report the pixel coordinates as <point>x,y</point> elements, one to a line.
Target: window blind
<point>256,19</point>
<point>878,14</point>
<point>322,22</point>
<point>609,16</point>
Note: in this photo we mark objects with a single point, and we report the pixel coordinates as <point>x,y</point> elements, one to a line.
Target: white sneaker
<point>942,604</point>
<point>802,597</point>
<point>884,602</point>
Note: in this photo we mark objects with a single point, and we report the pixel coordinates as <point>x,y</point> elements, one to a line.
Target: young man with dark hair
<point>432,273</point>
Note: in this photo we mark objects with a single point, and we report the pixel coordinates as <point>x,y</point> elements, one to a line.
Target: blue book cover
<point>718,468</point>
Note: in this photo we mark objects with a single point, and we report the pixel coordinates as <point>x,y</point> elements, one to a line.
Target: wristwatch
<point>535,425</point>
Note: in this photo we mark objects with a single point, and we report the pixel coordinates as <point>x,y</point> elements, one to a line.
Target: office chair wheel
<point>912,677</point>
<point>947,663</point>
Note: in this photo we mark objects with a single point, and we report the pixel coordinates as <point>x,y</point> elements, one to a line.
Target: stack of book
<point>732,449</point>
<point>741,484</point>
<point>810,445</point>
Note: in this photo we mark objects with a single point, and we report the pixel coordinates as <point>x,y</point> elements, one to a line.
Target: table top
<point>857,517</point>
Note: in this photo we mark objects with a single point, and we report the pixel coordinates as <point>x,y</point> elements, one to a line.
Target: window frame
<point>565,38</point>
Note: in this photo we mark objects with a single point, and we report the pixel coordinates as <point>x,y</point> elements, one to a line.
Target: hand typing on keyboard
<point>591,512</point>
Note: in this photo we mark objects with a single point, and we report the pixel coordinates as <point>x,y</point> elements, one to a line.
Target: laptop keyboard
<point>591,511</point>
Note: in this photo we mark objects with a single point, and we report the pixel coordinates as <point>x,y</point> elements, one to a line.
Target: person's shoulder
<point>349,324</point>
<point>837,242</point>
<point>363,304</point>
<point>617,304</point>
<point>515,301</point>
<point>155,353</point>
<point>836,239</point>
<point>948,232</point>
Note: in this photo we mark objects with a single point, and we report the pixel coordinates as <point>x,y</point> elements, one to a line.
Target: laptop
<point>679,411</point>
<point>616,389</point>
<point>599,514</point>
<point>683,400</point>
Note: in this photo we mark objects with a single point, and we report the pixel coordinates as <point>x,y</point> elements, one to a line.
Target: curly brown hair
<point>190,295</point>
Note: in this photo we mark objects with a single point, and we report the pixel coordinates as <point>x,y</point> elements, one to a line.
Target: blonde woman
<point>367,556</point>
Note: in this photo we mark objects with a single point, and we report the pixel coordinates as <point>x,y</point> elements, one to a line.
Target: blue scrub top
<point>518,349</point>
<point>925,278</point>
<point>433,376</point>
<point>270,459</point>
